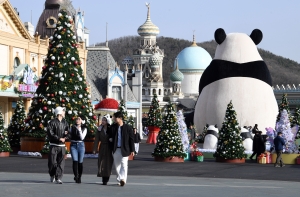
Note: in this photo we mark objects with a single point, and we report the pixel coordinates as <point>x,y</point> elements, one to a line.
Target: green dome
<point>176,76</point>
<point>154,60</point>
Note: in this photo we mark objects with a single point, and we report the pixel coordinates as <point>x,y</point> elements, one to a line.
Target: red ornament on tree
<point>74,92</point>
<point>86,89</point>
<point>72,74</point>
<point>95,117</point>
<point>62,53</point>
<point>82,106</point>
<point>46,83</point>
<point>75,62</point>
<point>73,118</point>
<point>52,63</point>
<point>62,100</point>
<point>73,45</point>
<point>80,63</point>
<point>45,108</point>
<point>44,67</point>
<point>52,95</point>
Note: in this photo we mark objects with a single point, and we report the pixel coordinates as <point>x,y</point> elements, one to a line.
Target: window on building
<point>116,92</point>
<point>143,91</point>
<point>16,62</point>
<point>154,91</point>
<point>159,92</point>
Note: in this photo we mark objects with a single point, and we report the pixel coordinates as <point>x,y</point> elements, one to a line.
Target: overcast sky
<point>278,20</point>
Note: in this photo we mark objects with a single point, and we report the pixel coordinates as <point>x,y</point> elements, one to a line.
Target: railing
<point>287,88</point>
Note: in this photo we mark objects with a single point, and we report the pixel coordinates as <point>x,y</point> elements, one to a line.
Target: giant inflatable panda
<point>236,73</point>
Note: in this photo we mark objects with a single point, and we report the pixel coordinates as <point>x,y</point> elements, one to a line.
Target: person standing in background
<point>137,140</point>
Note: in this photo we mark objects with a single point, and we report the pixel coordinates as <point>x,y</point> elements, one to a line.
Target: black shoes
<point>104,183</point>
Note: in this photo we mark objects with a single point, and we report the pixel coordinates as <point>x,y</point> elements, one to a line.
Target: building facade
<point>20,53</point>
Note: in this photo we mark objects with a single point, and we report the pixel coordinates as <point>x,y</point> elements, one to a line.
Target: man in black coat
<point>121,137</point>
<point>258,144</point>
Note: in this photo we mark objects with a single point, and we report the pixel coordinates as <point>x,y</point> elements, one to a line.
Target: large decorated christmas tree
<point>183,130</point>
<point>169,139</point>
<point>4,144</point>
<point>284,105</point>
<point>230,144</point>
<point>154,115</point>
<point>284,126</point>
<point>122,109</point>
<point>17,124</point>
<point>62,83</point>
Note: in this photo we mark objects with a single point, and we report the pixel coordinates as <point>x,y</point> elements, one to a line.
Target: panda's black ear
<point>256,36</point>
<point>207,125</point>
<point>216,126</point>
<point>220,35</point>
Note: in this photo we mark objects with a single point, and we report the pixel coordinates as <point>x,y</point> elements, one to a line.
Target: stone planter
<point>89,145</point>
<point>173,159</point>
<point>153,133</point>
<point>4,154</point>
<point>287,158</point>
<point>31,144</point>
<point>220,159</point>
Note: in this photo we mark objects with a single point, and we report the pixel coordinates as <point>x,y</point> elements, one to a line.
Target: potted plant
<point>154,121</point>
<point>5,148</point>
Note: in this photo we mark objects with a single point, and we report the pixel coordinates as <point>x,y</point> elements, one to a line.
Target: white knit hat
<point>59,110</point>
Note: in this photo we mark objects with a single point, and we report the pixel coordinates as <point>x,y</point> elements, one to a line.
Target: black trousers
<point>56,161</point>
<point>105,179</point>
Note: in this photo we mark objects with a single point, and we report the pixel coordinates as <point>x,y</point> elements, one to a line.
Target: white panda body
<point>211,140</point>
<point>247,142</point>
<point>236,74</point>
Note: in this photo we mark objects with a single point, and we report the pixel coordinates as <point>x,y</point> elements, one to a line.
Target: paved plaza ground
<point>27,176</point>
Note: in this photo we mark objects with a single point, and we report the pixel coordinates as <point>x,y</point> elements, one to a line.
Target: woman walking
<point>77,134</point>
<point>105,158</point>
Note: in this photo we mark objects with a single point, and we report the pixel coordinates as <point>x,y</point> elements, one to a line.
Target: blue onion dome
<point>148,28</point>
<point>127,60</point>
<point>154,60</point>
<point>176,75</point>
<point>193,59</point>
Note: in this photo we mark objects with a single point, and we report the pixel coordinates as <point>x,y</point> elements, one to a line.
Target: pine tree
<point>62,83</point>
<point>230,144</point>
<point>17,124</point>
<point>169,139</point>
<point>131,121</point>
<point>4,143</point>
<point>122,109</point>
<point>284,126</point>
<point>283,105</point>
<point>183,130</point>
<point>296,118</point>
<point>154,115</point>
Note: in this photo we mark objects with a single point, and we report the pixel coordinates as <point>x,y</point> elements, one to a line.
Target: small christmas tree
<point>183,130</point>
<point>169,140</point>
<point>230,144</point>
<point>17,124</point>
<point>203,134</point>
<point>296,118</point>
<point>62,83</point>
<point>4,143</point>
<point>154,115</point>
<point>131,121</point>
<point>283,105</point>
<point>284,126</point>
<point>123,110</point>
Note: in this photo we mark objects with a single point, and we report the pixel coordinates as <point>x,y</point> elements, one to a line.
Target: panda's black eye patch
<point>221,69</point>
